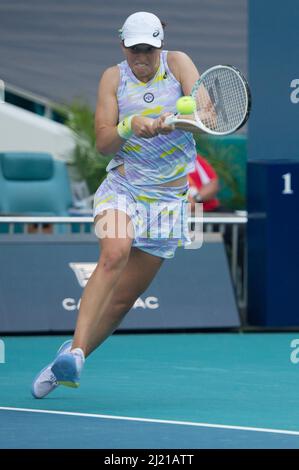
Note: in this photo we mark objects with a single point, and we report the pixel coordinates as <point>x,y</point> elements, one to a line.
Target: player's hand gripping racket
<point>222,99</point>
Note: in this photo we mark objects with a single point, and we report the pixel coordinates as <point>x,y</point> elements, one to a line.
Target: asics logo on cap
<point>156,33</point>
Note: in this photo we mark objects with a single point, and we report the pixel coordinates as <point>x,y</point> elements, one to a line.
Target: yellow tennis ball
<point>186,105</point>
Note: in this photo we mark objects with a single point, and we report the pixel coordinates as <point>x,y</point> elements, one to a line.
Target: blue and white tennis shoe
<point>67,368</point>
<point>46,380</point>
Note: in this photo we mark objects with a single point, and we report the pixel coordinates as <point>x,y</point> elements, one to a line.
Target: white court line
<point>158,421</point>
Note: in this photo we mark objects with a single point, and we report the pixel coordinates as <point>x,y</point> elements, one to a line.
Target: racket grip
<point>169,120</point>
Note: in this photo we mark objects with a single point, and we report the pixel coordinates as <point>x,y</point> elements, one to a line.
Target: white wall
<point>21,130</point>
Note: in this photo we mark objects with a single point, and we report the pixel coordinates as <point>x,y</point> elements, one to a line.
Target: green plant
<point>228,158</point>
<point>90,164</point>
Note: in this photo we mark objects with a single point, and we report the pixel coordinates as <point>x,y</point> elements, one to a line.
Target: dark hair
<point>163,24</point>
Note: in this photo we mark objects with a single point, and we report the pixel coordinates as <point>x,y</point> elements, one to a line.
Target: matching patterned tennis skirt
<point>159,215</point>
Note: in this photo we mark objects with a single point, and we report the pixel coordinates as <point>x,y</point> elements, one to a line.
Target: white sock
<point>78,351</point>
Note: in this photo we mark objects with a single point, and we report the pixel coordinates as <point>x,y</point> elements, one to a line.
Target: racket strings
<point>205,109</point>
<point>222,100</point>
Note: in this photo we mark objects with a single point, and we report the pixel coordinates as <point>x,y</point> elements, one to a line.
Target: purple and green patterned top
<point>162,158</point>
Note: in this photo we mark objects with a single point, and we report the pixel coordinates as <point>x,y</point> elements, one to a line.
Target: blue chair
<point>33,184</point>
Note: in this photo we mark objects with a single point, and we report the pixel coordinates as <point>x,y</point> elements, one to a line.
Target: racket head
<point>223,100</point>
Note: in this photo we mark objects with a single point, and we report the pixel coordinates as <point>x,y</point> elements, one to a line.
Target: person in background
<point>204,186</point>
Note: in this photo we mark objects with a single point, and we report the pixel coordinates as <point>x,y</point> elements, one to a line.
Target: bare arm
<point>183,69</point>
<point>186,73</point>
<point>209,190</point>
<point>206,192</point>
<point>108,141</point>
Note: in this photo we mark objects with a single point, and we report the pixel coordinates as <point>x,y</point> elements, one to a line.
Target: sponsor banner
<point>42,280</point>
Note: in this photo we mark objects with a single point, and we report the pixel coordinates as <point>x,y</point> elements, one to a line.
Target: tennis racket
<point>223,101</point>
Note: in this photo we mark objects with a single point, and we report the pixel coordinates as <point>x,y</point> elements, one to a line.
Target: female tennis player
<point>146,184</point>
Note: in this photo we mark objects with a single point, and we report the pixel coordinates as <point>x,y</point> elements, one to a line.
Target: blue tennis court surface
<point>196,391</point>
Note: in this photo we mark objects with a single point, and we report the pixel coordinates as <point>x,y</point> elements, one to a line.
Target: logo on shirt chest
<point>148,97</point>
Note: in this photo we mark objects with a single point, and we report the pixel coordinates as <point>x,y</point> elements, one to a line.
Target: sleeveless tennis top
<point>162,158</point>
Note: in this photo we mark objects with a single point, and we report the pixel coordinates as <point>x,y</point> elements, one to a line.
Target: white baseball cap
<point>142,28</point>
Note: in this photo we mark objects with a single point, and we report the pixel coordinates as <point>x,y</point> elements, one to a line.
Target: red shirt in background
<point>203,174</point>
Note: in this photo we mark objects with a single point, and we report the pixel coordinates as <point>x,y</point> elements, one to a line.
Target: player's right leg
<point>115,250</point>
